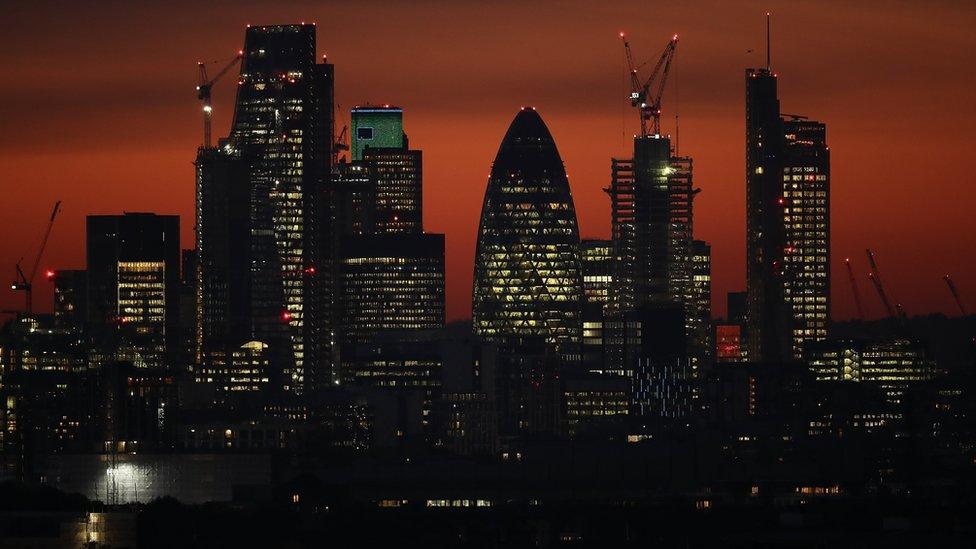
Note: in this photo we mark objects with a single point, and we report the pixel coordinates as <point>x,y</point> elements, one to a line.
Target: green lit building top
<point>380,126</point>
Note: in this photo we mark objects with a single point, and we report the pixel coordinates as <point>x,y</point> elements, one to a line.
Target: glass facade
<point>283,122</point>
<point>527,281</point>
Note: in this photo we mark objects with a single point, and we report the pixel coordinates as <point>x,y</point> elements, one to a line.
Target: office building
<point>391,282</point>
<point>769,322</point>
<point>398,196</point>
<point>378,127</point>
<point>806,218</point>
<point>894,365</point>
<point>527,281</point>
<point>354,199</point>
<point>597,263</point>
<point>699,306</point>
<point>134,282</point>
<point>283,126</point>
<point>239,293</point>
<point>787,225</point>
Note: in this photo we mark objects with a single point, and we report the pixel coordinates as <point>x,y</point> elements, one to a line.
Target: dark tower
<point>768,318</point>
<point>134,282</point>
<point>281,136</point>
<point>787,224</point>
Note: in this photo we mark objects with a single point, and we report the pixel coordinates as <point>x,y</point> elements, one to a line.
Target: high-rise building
<point>398,194</point>
<point>806,191</point>
<point>769,326</point>
<point>283,126</point>
<point>134,282</point>
<point>699,309</point>
<point>239,294</point>
<point>391,282</point>
<point>651,198</point>
<point>597,263</point>
<point>376,126</point>
<point>354,199</point>
<point>787,226</point>
<point>527,281</point>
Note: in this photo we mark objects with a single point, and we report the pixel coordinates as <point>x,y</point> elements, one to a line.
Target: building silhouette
<point>787,226</point>
<point>133,266</point>
<point>276,164</point>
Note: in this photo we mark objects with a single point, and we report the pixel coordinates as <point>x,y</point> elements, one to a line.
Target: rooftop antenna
<point>768,64</point>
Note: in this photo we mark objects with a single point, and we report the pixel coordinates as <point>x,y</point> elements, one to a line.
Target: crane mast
<point>204,89</point>
<point>875,275</point>
<point>25,283</point>
<point>857,293</point>
<point>955,294</point>
<point>649,106</point>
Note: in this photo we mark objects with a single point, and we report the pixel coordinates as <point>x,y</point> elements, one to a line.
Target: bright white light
<point>207,109</point>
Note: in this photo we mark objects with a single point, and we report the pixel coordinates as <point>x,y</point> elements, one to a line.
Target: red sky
<point>97,108</point>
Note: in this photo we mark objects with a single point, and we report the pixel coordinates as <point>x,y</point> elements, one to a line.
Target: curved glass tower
<point>527,280</point>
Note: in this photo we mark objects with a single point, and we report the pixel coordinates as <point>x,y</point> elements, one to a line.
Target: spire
<point>768,64</point>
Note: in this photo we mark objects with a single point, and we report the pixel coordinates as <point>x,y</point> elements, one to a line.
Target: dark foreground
<point>312,517</point>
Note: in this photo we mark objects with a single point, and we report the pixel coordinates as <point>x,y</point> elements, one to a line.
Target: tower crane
<point>955,293</point>
<point>875,275</point>
<point>339,142</point>
<point>857,293</point>
<point>204,89</point>
<point>25,283</point>
<point>649,106</point>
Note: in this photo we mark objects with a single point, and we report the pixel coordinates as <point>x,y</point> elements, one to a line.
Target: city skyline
<point>368,338</point>
<point>873,187</point>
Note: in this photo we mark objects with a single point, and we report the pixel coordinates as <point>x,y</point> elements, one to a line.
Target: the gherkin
<point>527,280</point>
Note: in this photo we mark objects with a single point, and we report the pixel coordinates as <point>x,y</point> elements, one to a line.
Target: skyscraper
<point>806,192</point>
<point>239,294</point>
<point>381,146</point>
<point>769,325</point>
<point>699,307</point>
<point>787,226</point>
<point>527,281</point>
<point>283,123</point>
<point>134,282</point>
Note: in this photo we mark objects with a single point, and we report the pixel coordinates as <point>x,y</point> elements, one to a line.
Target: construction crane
<point>339,144</point>
<point>955,294</point>
<point>204,89</point>
<point>875,275</point>
<point>649,106</point>
<point>857,293</point>
<point>25,283</point>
